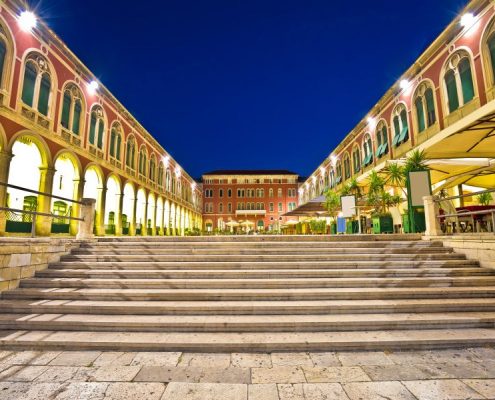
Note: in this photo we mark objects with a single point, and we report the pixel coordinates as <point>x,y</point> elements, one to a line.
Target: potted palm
<point>484,199</point>
<point>381,201</point>
<point>332,204</point>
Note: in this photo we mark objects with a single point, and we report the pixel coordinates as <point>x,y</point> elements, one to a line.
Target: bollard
<point>87,213</point>
<point>431,212</point>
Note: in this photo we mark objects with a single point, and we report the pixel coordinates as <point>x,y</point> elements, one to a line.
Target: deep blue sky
<point>253,83</point>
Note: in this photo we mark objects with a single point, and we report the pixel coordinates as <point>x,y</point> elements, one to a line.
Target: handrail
<point>40,213</point>
<point>464,195</point>
<point>461,214</point>
<point>40,193</point>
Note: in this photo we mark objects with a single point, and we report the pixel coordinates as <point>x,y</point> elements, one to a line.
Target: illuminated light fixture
<point>193,185</point>
<point>27,21</point>
<point>333,159</point>
<point>404,84</point>
<point>93,87</point>
<point>314,178</point>
<point>467,20</point>
<point>371,122</point>
<point>166,159</point>
<point>322,170</point>
<point>177,171</point>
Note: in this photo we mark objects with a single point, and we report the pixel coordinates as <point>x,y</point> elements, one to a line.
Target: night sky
<point>226,84</point>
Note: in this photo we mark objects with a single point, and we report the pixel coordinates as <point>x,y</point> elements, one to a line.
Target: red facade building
<point>248,200</point>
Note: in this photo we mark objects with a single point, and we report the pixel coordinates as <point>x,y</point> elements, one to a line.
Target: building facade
<point>443,104</point>
<point>63,133</point>
<point>248,199</point>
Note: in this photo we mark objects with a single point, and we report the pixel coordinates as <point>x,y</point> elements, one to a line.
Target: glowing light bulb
<point>467,20</point>
<point>404,84</point>
<point>93,87</point>
<point>27,21</point>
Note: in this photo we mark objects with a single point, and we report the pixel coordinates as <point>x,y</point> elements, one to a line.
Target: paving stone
<point>21,373</point>
<point>134,391</point>
<point>117,373</point>
<point>43,391</point>
<point>468,370</point>
<point>378,391</point>
<point>324,391</point>
<point>21,357</point>
<point>167,359</point>
<point>83,390</point>
<point>251,360</point>
<point>57,374</point>
<point>325,359</point>
<point>4,354</point>
<point>296,359</point>
<point>410,357</point>
<point>335,374</point>
<point>452,356</point>
<point>484,386</point>
<point>483,353</point>
<point>290,391</point>
<point>114,358</point>
<point>45,358</point>
<point>265,391</point>
<point>364,358</point>
<point>193,375</point>
<point>205,391</point>
<point>84,374</point>
<point>447,389</point>
<point>76,358</point>
<point>13,390</point>
<point>213,360</point>
<point>404,372</point>
<point>278,375</point>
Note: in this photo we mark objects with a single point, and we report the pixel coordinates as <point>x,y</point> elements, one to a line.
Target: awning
<point>313,208</point>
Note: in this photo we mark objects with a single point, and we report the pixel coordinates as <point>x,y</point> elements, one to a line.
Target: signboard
<point>348,206</point>
<point>419,186</point>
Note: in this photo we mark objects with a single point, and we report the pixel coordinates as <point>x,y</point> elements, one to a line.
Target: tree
<point>332,203</point>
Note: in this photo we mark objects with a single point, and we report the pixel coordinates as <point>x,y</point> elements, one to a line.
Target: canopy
<point>232,223</point>
<point>313,208</point>
<point>247,223</point>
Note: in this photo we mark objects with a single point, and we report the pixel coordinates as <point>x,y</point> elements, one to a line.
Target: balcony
<point>250,212</point>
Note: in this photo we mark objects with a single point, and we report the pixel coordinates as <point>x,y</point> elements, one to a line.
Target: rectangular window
<point>279,193</point>
<point>280,207</point>
<point>271,207</point>
<point>229,207</point>
<point>220,193</point>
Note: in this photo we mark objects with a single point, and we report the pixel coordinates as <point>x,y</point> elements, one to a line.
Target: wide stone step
<point>260,251</point>
<point>263,274</point>
<point>389,238</point>
<point>256,307</point>
<point>65,293</point>
<point>246,323</point>
<point>262,257</point>
<point>249,341</point>
<point>262,265</point>
<point>268,283</point>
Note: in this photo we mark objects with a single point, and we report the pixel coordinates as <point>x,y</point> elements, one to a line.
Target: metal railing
<point>35,214</point>
<point>454,220</point>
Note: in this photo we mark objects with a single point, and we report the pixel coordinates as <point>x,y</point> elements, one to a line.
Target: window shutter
<point>466,80</point>
<point>420,114</point>
<point>491,48</point>
<point>452,94</point>
<point>100,134</point>
<point>112,143</point>
<point>76,121</point>
<point>28,85</point>
<point>430,107</point>
<point>66,110</point>
<point>44,95</point>
<point>92,129</point>
<point>3,52</point>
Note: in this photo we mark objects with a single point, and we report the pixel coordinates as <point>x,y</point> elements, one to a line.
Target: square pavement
<point>413,375</point>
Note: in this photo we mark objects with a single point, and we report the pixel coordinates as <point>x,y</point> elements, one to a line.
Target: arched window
<point>347,166</point>
<point>332,178</point>
<point>130,154</point>
<point>115,141</point>
<point>401,127</point>
<point>143,158</point>
<point>3,56</point>
<point>381,139</point>
<point>36,87</point>
<point>458,81</point>
<point>167,180</point>
<point>367,150</point>
<point>356,159</point>
<point>152,174</point>
<point>338,169</point>
<point>424,104</point>
<point>72,109</point>
<point>96,127</point>
<point>491,51</point>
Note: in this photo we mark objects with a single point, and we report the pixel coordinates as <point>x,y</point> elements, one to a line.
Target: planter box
<point>419,222</point>
<point>352,227</point>
<point>333,229</point>
<point>383,224</point>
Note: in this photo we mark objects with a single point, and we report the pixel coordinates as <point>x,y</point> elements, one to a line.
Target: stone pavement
<point>412,375</point>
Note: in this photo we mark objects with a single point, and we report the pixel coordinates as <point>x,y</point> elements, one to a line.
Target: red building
<point>248,199</point>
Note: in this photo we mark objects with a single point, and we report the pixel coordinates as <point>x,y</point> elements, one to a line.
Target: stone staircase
<point>253,293</point>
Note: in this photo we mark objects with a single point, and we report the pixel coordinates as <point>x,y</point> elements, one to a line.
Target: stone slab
<point>205,391</point>
<point>446,389</point>
<point>134,391</point>
<point>378,391</point>
<point>278,374</point>
<point>335,374</point>
<point>265,391</point>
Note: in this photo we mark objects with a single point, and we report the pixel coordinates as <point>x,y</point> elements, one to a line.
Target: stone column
<point>132,224</point>
<point>4,178</point>
<point>118,214</point>
<point>43,223</point>
<point>431,212</point>
<point>87,213</point>
<point>76,208</point>
<point>153,219</point>
<point>144,229</point>
<point>100,213</point>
